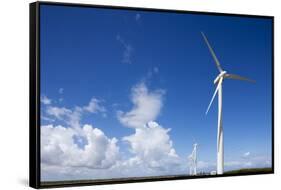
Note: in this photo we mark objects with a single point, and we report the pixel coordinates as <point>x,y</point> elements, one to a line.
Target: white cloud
<point>246,154</point>
<point>45,100</point>
<point>58,148</point>
<point>152,145</point>
<point>58,112</point>
<point>94,106</point>
<point>128,50</point>
<point>79,151</point>
<point>75,150</point>
<point>72,117</point>
<point>147,106</point>
<point>249,161</point>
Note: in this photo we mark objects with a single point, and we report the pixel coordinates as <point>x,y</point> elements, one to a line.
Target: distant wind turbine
<point>218,80</point>
<point>193,160</point>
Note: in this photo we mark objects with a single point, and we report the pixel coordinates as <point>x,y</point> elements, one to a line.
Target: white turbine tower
<point>193,161</point>
<point>218,80</point>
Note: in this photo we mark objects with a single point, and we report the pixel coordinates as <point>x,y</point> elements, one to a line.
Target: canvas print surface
<point>146,94</point>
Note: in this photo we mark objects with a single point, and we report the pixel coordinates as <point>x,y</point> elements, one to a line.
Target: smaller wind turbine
<point>190,163</point>
<point>218,81</point>
<point>193,160</point>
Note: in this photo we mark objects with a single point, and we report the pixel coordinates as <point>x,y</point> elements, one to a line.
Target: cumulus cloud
<point>94,106</point>
<point>58,147</point>
<point>146,107</point>
<point>150,143</point>
<point>70,117</point>
<point>74,150</point>
<point>45,100</point>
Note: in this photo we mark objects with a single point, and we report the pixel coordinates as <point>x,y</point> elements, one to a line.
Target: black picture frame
<point>34,97</point>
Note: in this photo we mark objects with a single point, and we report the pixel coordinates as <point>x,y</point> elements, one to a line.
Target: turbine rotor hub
<point>221,75</point>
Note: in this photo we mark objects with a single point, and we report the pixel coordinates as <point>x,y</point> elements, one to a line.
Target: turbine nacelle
<point>219,76</point>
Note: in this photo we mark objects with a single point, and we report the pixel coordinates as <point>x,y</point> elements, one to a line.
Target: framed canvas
<point>121,94</point>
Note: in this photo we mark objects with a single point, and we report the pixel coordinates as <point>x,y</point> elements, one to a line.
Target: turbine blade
<point>237,77</point>
<point>212,52</point>
<point>218,86</point>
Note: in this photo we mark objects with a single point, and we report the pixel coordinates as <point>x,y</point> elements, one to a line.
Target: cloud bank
<point>59,148</point>
<point>71,149</point>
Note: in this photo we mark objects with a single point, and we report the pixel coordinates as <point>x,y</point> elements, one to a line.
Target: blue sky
<point>105,54</point>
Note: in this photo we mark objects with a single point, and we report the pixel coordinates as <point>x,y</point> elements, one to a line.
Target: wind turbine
<point>193,160</point>
<point>218,81</point>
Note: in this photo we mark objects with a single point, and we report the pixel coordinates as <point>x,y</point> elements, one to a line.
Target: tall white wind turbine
<point>218,81</point>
